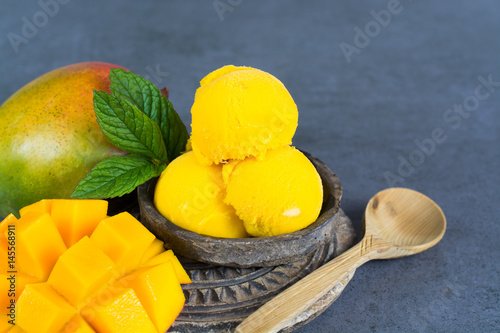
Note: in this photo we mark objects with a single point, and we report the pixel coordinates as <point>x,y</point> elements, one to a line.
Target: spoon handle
<point>282,309</point>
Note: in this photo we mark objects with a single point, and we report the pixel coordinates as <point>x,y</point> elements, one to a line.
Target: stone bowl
<point>252,251</point>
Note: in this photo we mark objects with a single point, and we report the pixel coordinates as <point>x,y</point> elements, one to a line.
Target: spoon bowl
<point>397,222</point>
<point>408,221</point>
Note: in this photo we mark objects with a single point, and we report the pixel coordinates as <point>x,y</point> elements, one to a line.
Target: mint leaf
<point>116,176</point>
<point>136,89</point>
<point>128,128</point>
<point>154,104</point>
<point>173,129</point>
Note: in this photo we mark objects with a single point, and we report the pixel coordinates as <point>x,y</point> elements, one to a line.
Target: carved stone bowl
<point>252,251</point>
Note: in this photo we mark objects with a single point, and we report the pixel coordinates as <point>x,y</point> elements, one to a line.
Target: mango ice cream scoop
<point>242,176</point>
<point>239,112</point>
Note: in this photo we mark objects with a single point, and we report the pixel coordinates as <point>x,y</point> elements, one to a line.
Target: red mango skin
<point>50,138</point>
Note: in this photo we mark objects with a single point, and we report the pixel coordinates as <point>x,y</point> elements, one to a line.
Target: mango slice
<point>41,309</point>
<point>118,310</point>
<point>81,271</point>
<point>169,256</point>
<point>159,292</point>
<point>77,218</point>
<point>123,239</point>
<point>39,244</point>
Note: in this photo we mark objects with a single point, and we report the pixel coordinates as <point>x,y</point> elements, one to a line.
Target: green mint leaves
<point>137,118</point>
<point>116,176</point>
<point>142,93</point>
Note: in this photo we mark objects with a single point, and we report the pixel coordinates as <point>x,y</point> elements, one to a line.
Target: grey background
<point>360,117</point>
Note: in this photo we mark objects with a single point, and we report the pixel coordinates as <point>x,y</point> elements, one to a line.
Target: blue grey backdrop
<point>390,93</point>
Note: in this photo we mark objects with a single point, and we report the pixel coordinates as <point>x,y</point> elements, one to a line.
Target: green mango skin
<point>49,135</point>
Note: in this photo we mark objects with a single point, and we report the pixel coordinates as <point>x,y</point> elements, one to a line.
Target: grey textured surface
<point>406,82</point>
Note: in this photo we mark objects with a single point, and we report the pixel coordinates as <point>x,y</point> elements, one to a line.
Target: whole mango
<point>50,138</point>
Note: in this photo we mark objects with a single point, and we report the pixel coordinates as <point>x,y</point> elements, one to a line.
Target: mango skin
<point>50,138</point>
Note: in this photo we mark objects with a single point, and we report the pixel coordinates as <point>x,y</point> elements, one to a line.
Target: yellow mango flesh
<point>77,218</point>
<point>5,326</point>
<point>39,244</point>
<point>199,206</point>
<point>11,287</point>
<point>50,136</point>
<point>41,309</point>
<point>278,194</point>
<point>87,290</point>
<point>169,256</point>
<point>123,239</point>
<point>42,206</point>
<point>77,325</point>
<point>240,112</point>
<point>16,329</point>
<point>159,292</point>
<point>118,310</point>
<point>81,271</point>
<point>156,247</point>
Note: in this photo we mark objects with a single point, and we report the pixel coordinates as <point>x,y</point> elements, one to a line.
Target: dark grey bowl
<point>246,252</point>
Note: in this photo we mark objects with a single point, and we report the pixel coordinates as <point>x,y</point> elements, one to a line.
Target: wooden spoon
<point>397,222</point>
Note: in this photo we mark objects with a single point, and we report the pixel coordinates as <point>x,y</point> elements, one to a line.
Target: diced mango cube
<point>42,206</point>
<point>159,292</point>
<point>77,325</point>
<point>8,224</point>
<point>118,310</point>
<point>81,272</point>
<point>123,239</point>
<point>39,244</point>
<point>41,309</point>
<point>153,250</point>
<point>156,247</point>
<point>11,287</point>
<point>169,256</point>
<point>76,218</point>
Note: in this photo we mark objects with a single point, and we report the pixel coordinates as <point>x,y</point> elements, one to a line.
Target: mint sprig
<point>144,94</point>
<point>137,118</point>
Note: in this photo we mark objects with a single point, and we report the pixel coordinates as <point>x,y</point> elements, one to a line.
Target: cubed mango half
<point>118,279</point>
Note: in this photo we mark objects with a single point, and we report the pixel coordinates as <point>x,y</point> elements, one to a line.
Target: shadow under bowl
<point>252,251</point>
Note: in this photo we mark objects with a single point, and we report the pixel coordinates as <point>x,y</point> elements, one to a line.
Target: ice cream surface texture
<point>240,112</point>
<point>279,194</point>
<point>191,196</point>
